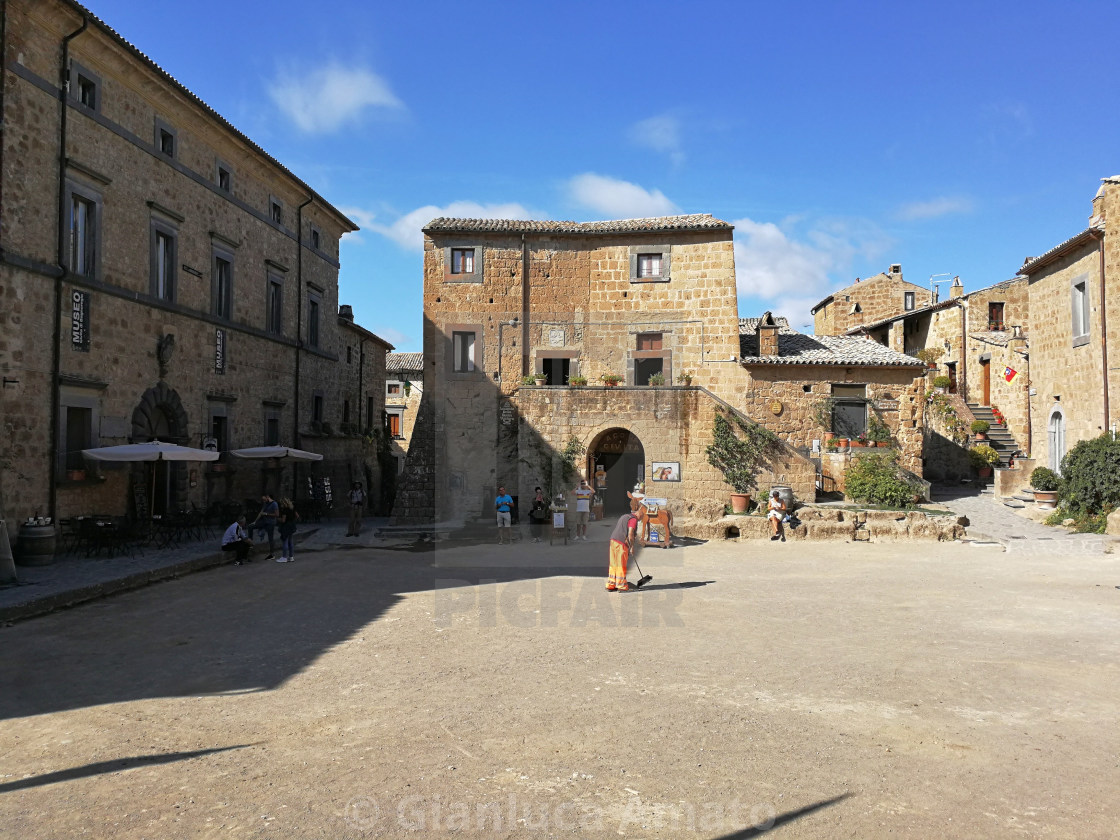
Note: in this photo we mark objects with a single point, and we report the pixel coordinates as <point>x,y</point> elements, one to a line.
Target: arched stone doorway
<point>615,463</point>
<point>161,486</point>
<point>1056,438</point>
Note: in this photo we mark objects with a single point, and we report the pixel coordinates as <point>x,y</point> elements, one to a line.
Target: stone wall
<point>878,297</point>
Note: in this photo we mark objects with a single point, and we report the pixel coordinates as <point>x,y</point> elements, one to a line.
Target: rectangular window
<point>392,389</point>
<point>219,430</point>
<point>313,321</point>
<point>649,265</point>
<point>907,301</point>
<point>649,341</point>
<point>87,92</point>
<point>83,220</point>
<point>225,178</point>
<point>462,344</point>
<point>349,354</point>
<point>222,288</point>
<point>163,262</point>
<point>167,140</point>
<point>85,86</point>
<point>79,436</point>
<point>395,425</point>
<point>849,412</point>
<point>272,431</point>
<point>462,260</point>
<point>995,316</point>
<point>275,306</point>
<point>346,411</point>
<point>1080,306</point>
<point>317,408</point>
<point>276,210</point>
<point>315,238</point>
<point>369,412</point>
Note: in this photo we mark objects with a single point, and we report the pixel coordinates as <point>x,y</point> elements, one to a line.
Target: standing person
<point>265,523</point>
<point>357,502</point>
<point>236,538</point>
<point>583,495</point>
<point>538,515</point>
<point>288,520</point>
<point>776,513</point>
<point>622,546</point>
<point>503,504</point>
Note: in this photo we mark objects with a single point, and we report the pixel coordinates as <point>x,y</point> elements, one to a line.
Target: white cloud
<point>662,134</point>
<point>788,275</point>
<point>323,100</point>
<point>407,232</point>
<point>619,199</point>
<point>943,206</point>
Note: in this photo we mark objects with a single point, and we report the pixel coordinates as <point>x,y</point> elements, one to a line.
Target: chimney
<point>1018,341</point>
<point>346,312</point>
<point>1096,218</point>
<point>957,289</point>
<point>767,335</point>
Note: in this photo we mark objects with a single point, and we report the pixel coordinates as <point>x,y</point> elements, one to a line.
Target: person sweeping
<point>621,547</point>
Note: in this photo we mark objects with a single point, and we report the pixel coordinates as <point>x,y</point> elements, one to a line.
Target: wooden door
<point>986,378</point>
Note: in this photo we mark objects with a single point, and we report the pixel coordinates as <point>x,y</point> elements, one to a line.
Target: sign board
<point>79,321</point>
<point>507,414</point>
<point>886,405</point>
<point>219,350</point>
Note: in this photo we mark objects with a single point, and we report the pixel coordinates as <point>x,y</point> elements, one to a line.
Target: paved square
<point>818,690</point>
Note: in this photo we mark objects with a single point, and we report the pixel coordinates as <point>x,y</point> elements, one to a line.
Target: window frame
<point>909,301</point>
<point>646,264</point>
<point>80,74</point>
<point>274,313</point>
<point>92,250</point>
<point>220,167</point>
<point>217,257</point>
<point>157,228</point>
<point>475,275</point>
<point>76,396</point>
<point>398,413</point>
<point>996,324</point>
<point>1080,309</point>
<point>389,383</point>
<point>314,318</point>
<point>470,352</point>
<point>162,129</point>
<point>276,211</point>
<point>664,251</point>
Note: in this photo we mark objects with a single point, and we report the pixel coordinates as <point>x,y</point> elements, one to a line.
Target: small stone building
<point>404,388</point>
<point>882,296</point>
<point>162,277</point>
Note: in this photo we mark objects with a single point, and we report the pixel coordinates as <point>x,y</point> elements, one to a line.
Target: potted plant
<point>577,381</point>
<point>983,457</point>
<point>860,440</point>
<point>737,450</point>
<point>996,413</point>
<point>832,444</point>
<point>685,378</point>
<point>878,433</point>
<point>843,443</point>
<point>980,429</point>
<point>540,379</point>
<point>1045,483</point>
<point>657,379</point>
<point>930,355</point>
<point>611,380</point>
<point>940,383</point>
<point>529,380</point>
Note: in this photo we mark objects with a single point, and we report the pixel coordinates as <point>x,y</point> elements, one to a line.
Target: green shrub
<point>739,457</point>
<point>1045,479</point>
<point>941,381</point>
<point>983,456</point>
<point>877,430</point>
<point>1091,472</point>
<point>980,427</point>
<point>876,479</point>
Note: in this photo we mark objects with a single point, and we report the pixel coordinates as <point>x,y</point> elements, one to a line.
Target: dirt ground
<point>808,690</point>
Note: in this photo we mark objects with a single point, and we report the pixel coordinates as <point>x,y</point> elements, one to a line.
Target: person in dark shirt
<point>621,547</point>
<point>265,522</point>
<point>538,515</point>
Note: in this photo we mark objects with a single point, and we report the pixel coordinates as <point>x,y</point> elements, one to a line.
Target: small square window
<point>392,389</point>
<point>167,142</point>
<point>85,86</point>
<point>87,92</point>
<point>277,211</point>
<point>649,265</point>
<point>650,341</point>
<point>462,260</point>
<point>225,179</point>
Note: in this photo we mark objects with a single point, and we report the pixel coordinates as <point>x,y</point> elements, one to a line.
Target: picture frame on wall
<point>665,471</point>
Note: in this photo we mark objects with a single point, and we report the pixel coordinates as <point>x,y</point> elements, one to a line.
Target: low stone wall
<point>834,524</point>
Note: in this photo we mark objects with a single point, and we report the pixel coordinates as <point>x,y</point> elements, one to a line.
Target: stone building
<point>404,388</point>
<point>1074,289</point>
<point>161,276</point>
<point>882,296</point>
<point>649,303</point>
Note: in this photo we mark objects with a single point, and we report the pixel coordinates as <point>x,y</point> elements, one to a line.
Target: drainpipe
<point>299,341</point>
<point>56,351</point>
<point>3,66</point>
<point>1027,389</point>
<point>524,306</point>
<point>1099,236</point>
<point>964,350</point>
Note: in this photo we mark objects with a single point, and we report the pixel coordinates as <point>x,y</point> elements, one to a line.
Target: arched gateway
<point>615,462</point>
<point>159,416</point>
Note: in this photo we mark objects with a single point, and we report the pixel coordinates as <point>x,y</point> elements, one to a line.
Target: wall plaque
<point>219,350</point>
<point>556,337</point>
<point>776,406</point>
<point>886,405</point>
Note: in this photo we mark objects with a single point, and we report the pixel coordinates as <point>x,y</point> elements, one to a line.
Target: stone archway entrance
<point>615,462</point>
<point>159,487</point>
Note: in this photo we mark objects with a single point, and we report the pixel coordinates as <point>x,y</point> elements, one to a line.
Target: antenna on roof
<point>934,292</point>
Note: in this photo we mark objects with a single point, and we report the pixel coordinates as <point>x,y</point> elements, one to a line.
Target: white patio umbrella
<point>277,452</point>
<point>151,451</point>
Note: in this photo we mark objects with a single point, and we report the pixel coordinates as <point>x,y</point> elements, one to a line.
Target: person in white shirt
<point>583,495</point>
<point>236,538</point>
<point>357,502</point>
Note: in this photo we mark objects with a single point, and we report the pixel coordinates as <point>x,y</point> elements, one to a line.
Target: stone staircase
<point>998,437</point>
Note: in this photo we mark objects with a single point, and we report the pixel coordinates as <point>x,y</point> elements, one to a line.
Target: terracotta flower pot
<point>740,502</point>
<point>1046,499</point>
<point>843,443</point>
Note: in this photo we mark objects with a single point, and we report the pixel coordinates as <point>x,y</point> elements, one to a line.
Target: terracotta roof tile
<point>404,362</point>
<point>796,348</point>
<point>696,221</point>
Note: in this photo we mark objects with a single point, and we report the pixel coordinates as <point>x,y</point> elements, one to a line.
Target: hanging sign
<point>219,350</point>
<point>79,321</point>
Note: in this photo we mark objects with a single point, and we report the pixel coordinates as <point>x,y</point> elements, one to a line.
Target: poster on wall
<point>79,321</point>
<point>666,471</point>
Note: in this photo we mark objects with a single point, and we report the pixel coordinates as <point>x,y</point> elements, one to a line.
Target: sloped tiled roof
<point>922,310</point>
<point>120,39</point>
<point>796,348</point>
<point>1000,338</point>
<point>404,362</point>
<point>696,221</point>
<point>1033,264</point>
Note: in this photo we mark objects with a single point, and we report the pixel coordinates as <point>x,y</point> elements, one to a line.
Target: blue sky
<point>953,138</point>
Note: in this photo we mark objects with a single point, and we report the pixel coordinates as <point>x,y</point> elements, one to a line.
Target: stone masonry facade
<point>190,296</point>
<point>866,301</point>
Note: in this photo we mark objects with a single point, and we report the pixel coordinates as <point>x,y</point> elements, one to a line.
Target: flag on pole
<point>1010,375</point>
